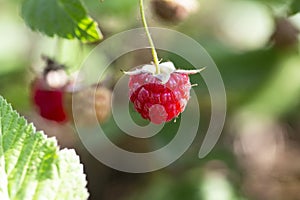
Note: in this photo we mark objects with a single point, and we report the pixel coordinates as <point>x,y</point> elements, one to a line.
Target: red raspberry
<point>48,91</point>
<point>160,97</point>
<point>49,102</point>
<point>156,101</point>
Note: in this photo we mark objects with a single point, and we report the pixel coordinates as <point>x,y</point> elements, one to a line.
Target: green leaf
<point>31,165</point>
<point>64,18</point>
<point>295,7</point>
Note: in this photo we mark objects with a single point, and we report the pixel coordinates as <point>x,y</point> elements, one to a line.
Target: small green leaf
<point>31,166</point>
<point>64,18</point>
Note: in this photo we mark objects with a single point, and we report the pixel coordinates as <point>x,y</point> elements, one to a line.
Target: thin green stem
<point>154,53</point>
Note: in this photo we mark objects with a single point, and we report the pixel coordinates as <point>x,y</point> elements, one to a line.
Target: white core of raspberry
<point>56,78</point>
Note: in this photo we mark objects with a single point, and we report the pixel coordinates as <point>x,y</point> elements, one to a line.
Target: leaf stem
<point>154,53</point>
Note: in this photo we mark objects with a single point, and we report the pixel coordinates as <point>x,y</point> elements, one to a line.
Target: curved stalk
<point>154,53</point>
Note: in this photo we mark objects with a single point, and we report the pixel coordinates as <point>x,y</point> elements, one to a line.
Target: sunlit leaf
<point>64,18</point>
<point>31,166</point>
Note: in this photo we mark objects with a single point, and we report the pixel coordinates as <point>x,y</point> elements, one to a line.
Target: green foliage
<point>284,82</point>
<point>31,166</point>
<point>113,8</point>
<point>65,18</point>
<point>295,7</point>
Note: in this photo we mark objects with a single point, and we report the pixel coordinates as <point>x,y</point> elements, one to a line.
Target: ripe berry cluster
<point>52,95</point>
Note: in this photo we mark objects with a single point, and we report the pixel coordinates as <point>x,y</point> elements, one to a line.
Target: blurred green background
<point>255,46</point>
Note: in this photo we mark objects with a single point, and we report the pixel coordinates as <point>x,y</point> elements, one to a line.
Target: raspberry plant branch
<point>154,53</point>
